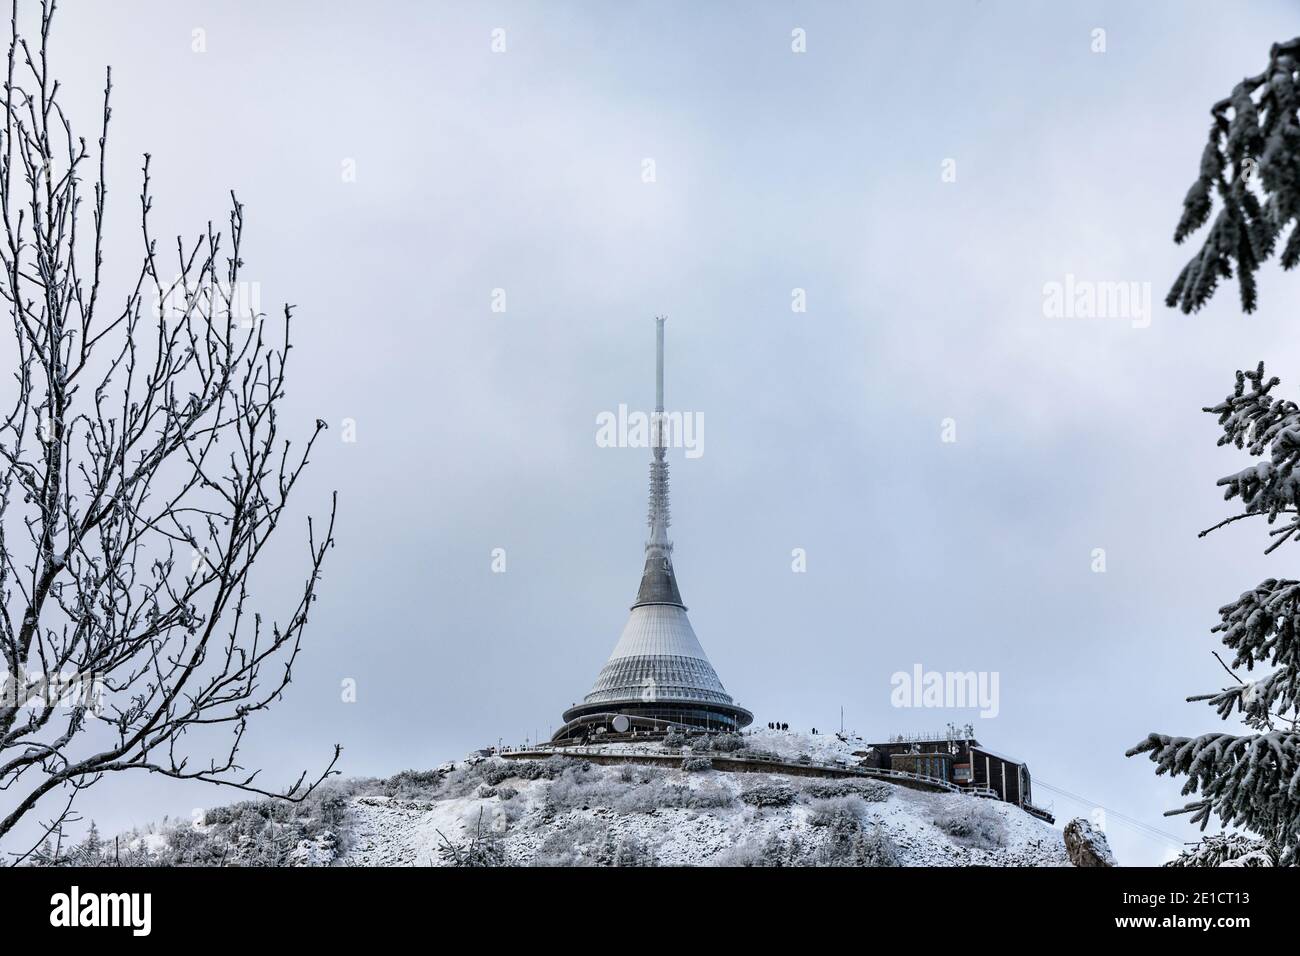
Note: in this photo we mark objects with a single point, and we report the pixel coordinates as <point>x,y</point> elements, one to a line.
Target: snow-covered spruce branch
<point>142,473</point>
<point>1260,626</point>
<point>1252,780</point>
<point>1228,849</point>
<point>1264,425</point>
<point>1252,163</point>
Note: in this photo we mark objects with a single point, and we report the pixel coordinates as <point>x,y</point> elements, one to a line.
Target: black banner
<point>333,905</point>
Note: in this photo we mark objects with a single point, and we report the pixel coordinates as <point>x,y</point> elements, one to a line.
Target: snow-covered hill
<point>569,810</point>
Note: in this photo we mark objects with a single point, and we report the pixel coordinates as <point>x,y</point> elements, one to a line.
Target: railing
<point>944,736</point>
<point>1039,812</point>
<point>669,754</point>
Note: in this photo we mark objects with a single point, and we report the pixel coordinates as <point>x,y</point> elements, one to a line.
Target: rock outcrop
<point>1086,845</point>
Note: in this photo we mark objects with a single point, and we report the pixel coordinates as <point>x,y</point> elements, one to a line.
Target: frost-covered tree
<point>1252,780</point>
<point>1227,849</point>
<point>1252,163</point>
<point>144,467</point>
<point>479,849</point>
<point>91,850</point>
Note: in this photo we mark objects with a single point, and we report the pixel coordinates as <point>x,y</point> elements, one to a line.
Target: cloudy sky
<point>922,172</point>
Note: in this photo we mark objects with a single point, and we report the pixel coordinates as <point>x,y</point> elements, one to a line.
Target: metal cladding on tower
<point>658,676</point>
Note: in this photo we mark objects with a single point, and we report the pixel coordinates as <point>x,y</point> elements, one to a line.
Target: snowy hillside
<point>645,815</point>
<point>572,811</point>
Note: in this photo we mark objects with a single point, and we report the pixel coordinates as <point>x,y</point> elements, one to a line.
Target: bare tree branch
<point>142,473</point>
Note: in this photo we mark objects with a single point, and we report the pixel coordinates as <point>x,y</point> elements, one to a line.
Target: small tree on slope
<point>1253,780</point>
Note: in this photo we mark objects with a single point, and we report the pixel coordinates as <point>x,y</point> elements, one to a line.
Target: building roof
<point>658,630</point>
<point>658,658</point>
<point>974,744</point>
<point>1000,756</point>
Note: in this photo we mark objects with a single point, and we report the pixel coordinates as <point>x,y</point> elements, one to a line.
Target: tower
<point>658,676</point>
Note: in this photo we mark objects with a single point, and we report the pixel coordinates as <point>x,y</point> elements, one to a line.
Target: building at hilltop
<point>961,760</point>
<point>658,677</point>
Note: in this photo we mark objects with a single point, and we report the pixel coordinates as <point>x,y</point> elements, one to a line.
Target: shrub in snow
<point>90,852</point>
<point>49,855</point>
<point>674,739</point>
<point>705,797</point>
<point>629,851</point>
<point>837,812</point>
<point>588,843</point>
<point>676,796</point>
<point>186,846</point>
<point>873,847</point>
<point>506,794</point>
<point>973,822</point>
<point>318,852</point>
<point>740,854</point>
<point>481,847</point>
<point>496,772</point>
<point>248,833</point>
<point>848,839</point>
<point>413,783</point>
<point>874,792</point>
<point>635,773</point>
<point>638,799</point>
<point>253,833</point>
<point>709,797</point>
<point>768,852</point>
<point>691,764</point>
<point>768,795</point>
<point>728,743</point>
<point>871,791</point>
<point>496,816</point>
<point>580,843</point>
<point>578,787</point>
<point>327,807</point>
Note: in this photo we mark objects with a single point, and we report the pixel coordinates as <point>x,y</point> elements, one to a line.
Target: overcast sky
<point>524,170</point>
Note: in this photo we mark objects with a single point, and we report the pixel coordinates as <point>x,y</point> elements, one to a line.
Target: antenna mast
<point>659,385</point>
<point>659,467</point>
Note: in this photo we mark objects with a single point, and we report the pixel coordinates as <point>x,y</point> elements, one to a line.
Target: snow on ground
<point>573,811</point>
<point>822,748</point>
<point>601,813</point>
<point>393,832</point>
<point>787,744</point>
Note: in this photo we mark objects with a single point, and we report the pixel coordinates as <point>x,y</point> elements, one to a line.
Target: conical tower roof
<point>659,670</point>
